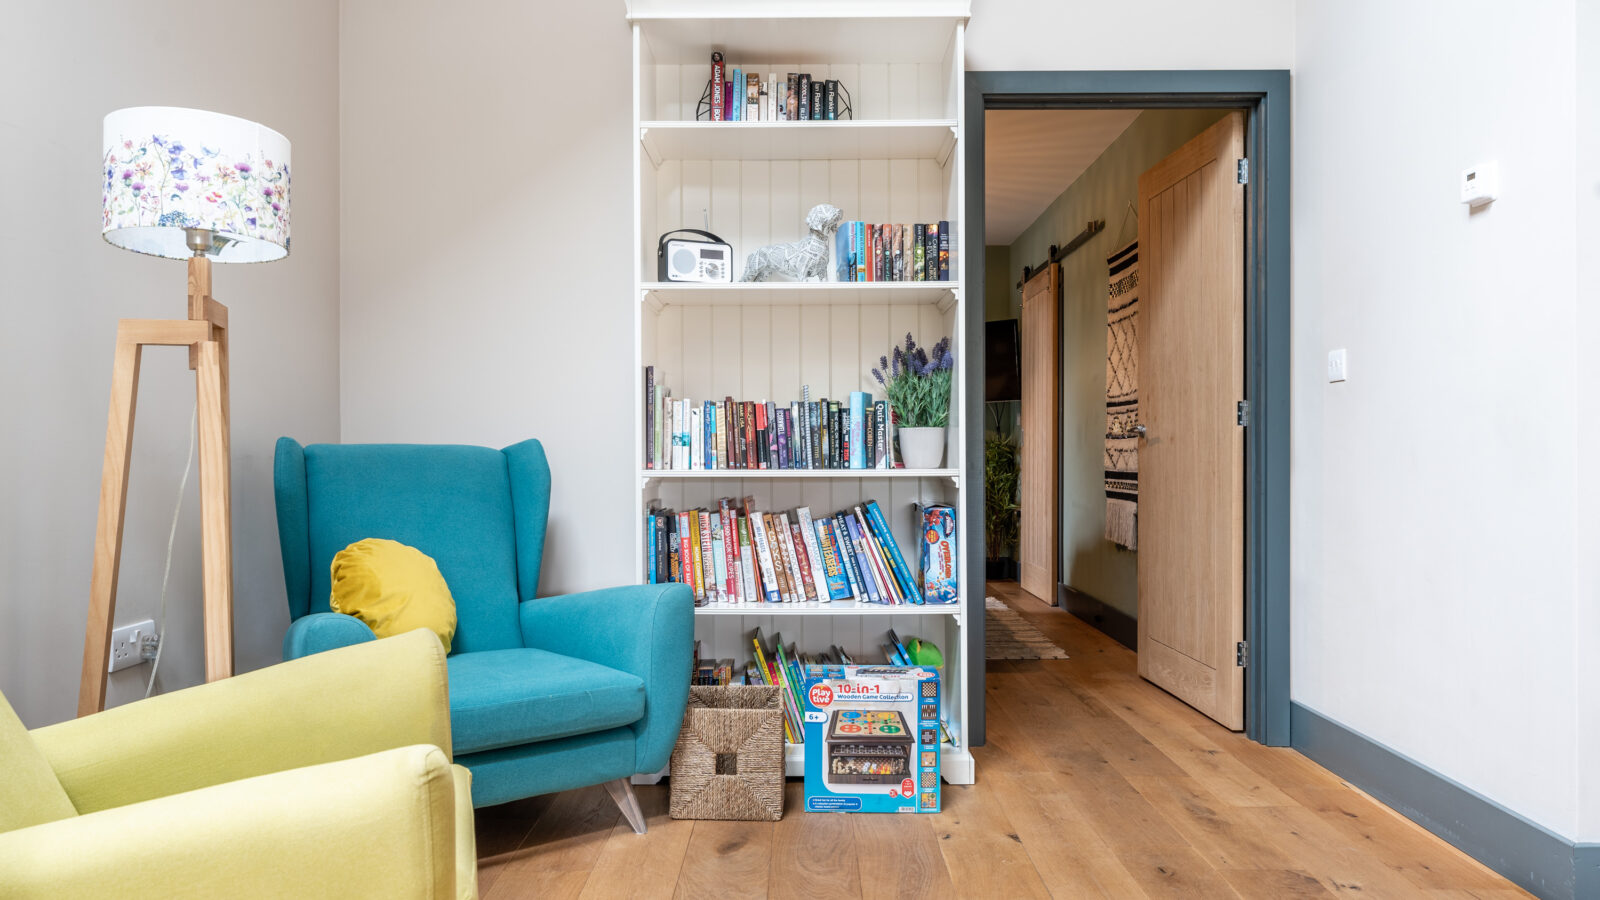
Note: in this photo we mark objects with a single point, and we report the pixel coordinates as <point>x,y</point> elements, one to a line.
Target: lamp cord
<point>166,570</point>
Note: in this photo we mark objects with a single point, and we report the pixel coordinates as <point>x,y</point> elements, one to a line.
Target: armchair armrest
<point>324,631</point>
<point>383,825</point>
<point>331,706</point>
<point>644,630</point>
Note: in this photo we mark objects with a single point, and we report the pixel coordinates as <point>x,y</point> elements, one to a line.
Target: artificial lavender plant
<point>918,383</point>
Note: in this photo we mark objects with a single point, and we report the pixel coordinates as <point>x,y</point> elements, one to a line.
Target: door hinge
<point>1243,654</point>
<point>1244,412</point>
<point>1244,171</point>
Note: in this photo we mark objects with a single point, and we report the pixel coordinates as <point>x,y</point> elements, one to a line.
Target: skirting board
<point>1537,859</point>
<point>1116,624</point>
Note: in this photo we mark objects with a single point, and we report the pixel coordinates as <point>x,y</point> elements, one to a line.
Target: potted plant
<point>917,382</point>
<point>1001,522</point>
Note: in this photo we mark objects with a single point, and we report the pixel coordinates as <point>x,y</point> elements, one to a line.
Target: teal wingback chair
<point>546,693</point>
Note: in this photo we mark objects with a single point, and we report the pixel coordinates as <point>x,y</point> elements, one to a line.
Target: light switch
<point>1336,365</point>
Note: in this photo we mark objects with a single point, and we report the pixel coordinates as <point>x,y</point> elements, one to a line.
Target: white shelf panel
<point>881,139</point>
<point>940,294</point>
<point>955,763</point>
<point>687,33</point>
<point>836,608</point>
<point>764,474</point>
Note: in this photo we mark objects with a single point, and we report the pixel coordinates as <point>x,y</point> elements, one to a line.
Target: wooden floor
<point>1093,783</point>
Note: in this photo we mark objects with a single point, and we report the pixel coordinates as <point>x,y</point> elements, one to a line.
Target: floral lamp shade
<point>170,174</point>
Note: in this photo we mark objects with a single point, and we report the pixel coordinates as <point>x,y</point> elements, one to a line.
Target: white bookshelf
<point>899,160</point>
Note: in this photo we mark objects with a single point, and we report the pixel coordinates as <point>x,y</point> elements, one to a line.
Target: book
<point>880,425</point>
<point>764,99</point>
<point>813,548</point>
<point>704,573</point>
<point>897,261</point>
<point>768,678</point>
<point>902,571</point>
<point>860,230</point>
<point>649,416</point>
<point>863,565</point>
<point>944,251</point>
<point>837,581</point>
<point>767,551</point>
<point>931,252</point>
<point>831,99</point>
<point>735,90</point>
<point>762,447</point>
<point>859,400</point>
<point>817,90</point>
<point>747,563</point>
<point>802,560</point>
<point>791,103</point>
<point>804,92</point>
<point>781,556</point>
<point>716,86</point>
<point>919,240</point>
<point>719,560</point>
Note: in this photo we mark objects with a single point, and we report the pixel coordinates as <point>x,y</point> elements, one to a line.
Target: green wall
<point>1090,563</point>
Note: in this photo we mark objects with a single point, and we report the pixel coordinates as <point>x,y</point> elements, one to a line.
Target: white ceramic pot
<point>921,448</point>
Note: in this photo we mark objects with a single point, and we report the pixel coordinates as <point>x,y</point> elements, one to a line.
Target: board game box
<point>938,556</point>
<point>872,739</point>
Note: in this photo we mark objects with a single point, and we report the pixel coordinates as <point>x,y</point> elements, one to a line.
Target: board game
<point>877,728</point>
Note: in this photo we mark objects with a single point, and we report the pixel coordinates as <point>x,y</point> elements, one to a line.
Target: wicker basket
<point>728,763</point>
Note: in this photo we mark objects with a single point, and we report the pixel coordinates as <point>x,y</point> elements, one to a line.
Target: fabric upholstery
<point>527,770</point>
<point>294,523</point>
<point>466,823</point>
<point>382,825</point>
<point>390,693</point>
<point>658,649</point>
<point>503,697</point>
<point>324,631</point>
<point>452,503</point>
<point>29,791</point>
<point>392,588</point>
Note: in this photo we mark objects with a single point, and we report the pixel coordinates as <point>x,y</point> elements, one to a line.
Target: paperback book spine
<point>708,440</point>
<point>747,563</point>
<point>674,552</point>
<point>813,551</point>
<point>802,560</point>
<point>838,583</point>
<point>758,535</point>
<point>791,100</point>
<point>860,230</point>
<point>649,416</point>
<point>736,82</point>
<point>763,447</point>
<point>919,238</point>
<point>858,425</point>
<point>780,564</point>
<point>863,567</point>
<point>817,113</point>
<point>650,548</point>
<point>897,241</point>
<point>730,551</point>
<point>931,251</point>
<point>752,98</point>
<point>705,574</point>
<point>663,556</point>
<point>874,554</point>
<point>717,574</point>
<point>944,251</point>
<point>716,86</point>
<point>805,97</point>
<point>880,458</point>
<point>832,99</point>
<point>685,566</point>
<point>902,571</point>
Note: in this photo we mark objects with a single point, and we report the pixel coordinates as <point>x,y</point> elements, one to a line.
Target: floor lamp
<point>198,186</point>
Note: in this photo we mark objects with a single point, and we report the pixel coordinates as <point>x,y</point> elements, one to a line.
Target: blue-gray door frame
<point>1264,96</point>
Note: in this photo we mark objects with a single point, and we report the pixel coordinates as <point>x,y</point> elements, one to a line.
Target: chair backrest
<point>30,794</point>
<point>480,513</point>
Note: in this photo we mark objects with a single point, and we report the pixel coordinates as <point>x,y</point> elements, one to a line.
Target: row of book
<point>684,434</point>
<point>735,553</point>
<point>740,96</point>
<point>783,667</point>
<point>866,252</point>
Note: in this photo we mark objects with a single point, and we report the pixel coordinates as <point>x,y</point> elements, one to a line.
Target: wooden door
<point>1191,460</point>
<point>1038,470</point>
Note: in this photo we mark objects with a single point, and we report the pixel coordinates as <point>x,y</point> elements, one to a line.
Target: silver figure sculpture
<point>802,260</point>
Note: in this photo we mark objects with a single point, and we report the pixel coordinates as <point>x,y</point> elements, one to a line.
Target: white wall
<point>486,271</point>
<point>1131,34</point>
<point>62,289</point>
<point>1586,420</point>
<point>1435,607</point>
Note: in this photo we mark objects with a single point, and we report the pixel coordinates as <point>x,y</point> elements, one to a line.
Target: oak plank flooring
<point>1093,783</point>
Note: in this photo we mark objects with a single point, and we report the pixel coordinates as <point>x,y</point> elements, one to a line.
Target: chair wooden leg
<point>621,791</point>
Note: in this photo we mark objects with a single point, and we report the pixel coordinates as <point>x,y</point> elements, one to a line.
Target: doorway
<point>1259,104</point>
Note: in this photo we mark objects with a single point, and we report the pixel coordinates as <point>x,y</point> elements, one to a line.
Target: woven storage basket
<point>728,763</point>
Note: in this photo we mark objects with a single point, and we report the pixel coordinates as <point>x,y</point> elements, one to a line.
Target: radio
<point>710,260</point>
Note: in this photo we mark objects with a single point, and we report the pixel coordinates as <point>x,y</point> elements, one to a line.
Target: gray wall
<point>62,290</point>
<point>1090,563</point>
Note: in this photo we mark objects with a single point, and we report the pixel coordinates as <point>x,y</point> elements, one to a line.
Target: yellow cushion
<point>29,791</point>
<point>393,588</point>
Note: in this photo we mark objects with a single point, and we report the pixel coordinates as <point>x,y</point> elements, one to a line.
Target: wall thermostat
<point>1480,184</point>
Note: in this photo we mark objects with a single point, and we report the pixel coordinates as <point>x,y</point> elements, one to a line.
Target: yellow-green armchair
<point>327,776</point>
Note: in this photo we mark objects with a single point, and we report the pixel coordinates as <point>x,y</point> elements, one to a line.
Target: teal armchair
<point>546,693</point>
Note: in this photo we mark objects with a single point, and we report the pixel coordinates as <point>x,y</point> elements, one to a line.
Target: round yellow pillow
<point>393,588</point>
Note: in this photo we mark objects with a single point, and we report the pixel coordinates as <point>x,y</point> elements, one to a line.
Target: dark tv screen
<point>1002,361</point>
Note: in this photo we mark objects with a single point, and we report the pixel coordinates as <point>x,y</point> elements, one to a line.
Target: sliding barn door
<point>1191,461</point>
<point>1041,380</point>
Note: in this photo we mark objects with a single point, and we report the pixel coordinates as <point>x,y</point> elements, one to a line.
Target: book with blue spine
<point>859,401</point>
<point>708,435</point>
<point>738,95</point>
<point>863,567</point>
<point>861,250</point>
<point>833,571</point>
<point>650,556</point>
<point>841,255</point>
<point>847,556</point>
<point>902,572</point>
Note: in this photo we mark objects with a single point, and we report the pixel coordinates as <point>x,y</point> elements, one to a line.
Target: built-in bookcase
<point>897,161</point>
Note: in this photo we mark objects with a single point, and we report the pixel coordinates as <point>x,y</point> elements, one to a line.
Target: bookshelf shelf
<point>784,474</point>
<point>899,160</point>
<point>881,139</point>
<point>938,294</point>
<point>836,608</point>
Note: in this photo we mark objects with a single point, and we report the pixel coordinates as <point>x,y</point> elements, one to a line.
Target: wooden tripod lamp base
<point>205,333</point>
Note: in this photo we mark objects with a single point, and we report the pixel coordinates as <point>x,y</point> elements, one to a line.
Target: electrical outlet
<point>1338,365</point>
<point>127,644</point>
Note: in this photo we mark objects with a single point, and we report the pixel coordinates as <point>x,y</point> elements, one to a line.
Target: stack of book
<point>866,252</point>
<point>735,553</point>
<point>740,96</point>
<point>781,668</point>
<point>711,671</point>
<point>745,434</point>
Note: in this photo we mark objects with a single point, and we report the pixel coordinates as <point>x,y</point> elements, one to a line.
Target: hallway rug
<point>1007,635</point>
<point>1122,397</point>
